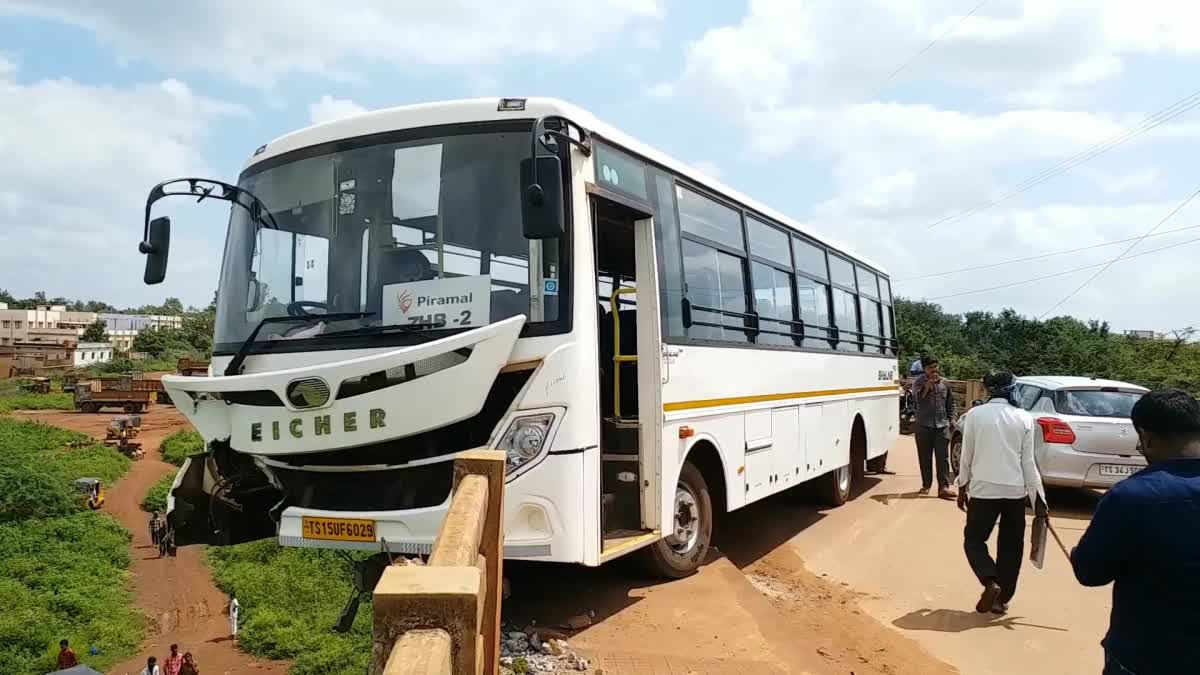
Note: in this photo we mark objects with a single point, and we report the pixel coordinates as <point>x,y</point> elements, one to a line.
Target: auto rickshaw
<point>92,491</point>
<point>126,427</point>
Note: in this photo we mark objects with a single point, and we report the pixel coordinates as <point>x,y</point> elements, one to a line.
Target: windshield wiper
<point>239,359</point>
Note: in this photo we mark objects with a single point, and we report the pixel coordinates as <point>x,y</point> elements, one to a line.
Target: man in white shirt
<point>997,477</point>
<point>151,667</point>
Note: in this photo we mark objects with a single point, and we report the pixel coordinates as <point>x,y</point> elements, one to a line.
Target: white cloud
<point>79,161</point>
<point>808,83</point>
<point>329,109</point>
<point>258,43</point>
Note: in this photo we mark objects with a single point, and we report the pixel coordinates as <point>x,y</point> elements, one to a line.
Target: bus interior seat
<point>398,266</point>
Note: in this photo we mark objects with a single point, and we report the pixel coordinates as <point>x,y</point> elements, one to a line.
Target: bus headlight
<point>524,438</point>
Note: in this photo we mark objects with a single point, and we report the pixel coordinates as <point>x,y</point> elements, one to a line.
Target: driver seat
<point>397,266</point>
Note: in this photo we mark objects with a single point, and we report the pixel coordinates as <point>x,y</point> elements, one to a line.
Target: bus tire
<point>683,550</point>
<point>877,464</point>
<point>833,489</point>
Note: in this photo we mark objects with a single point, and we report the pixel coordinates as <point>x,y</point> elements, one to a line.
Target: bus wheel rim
<point>686,520</point>
<point>843,478</point>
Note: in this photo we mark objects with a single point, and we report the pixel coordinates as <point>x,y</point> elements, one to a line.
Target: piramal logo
<point>405,301</point>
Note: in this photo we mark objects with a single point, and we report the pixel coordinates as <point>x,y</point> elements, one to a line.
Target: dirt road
<point>177,595</point>
<point>904,555</point>
<point>879,585</point>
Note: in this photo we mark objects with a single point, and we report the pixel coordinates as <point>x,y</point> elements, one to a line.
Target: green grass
<point>156,496</point>
<point>12,398</point>
<point>58,562</point>
<point>290,599</point>
<point>181,444</point>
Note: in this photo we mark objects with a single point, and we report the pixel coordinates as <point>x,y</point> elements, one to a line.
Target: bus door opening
<point>621,423</point>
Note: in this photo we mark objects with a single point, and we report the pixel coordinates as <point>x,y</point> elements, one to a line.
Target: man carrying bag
<point>997,478</point>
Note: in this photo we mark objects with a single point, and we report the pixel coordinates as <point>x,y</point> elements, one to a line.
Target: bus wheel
<point>877,464</point>
<point>683,549</point>
<point>834,487</point>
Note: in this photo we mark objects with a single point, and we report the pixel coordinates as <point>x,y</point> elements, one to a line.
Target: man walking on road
<point>174,662</point>
<point>234,608</point>
<point>996,477</point>
<point>151,667</point>
<point>935,425</point>
<point>1144,538</point>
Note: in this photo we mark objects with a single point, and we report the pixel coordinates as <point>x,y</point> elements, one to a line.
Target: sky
<point>926,135</point>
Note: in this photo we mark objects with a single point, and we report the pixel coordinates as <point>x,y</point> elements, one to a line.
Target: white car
<point>1084,437</point>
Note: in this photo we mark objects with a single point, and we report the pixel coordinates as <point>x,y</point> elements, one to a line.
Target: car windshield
<point>1096,403</point>
<point>425,233</point>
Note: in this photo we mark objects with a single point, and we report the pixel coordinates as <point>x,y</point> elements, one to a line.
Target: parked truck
<point>91,397</point>
<point>191,368</point>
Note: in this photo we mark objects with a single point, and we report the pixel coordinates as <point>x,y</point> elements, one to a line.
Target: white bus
<point>649,347</point>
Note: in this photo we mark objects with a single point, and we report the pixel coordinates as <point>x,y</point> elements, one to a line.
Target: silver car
<point>1083,437</point>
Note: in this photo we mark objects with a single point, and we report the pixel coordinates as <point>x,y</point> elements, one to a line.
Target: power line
<point>933,42</point>
<point>1149,232</point>
<point>1153,121</point>
<point>1063,273</point>
<point>1039,257</point>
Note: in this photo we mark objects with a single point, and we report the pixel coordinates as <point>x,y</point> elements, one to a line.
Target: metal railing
<point>751,326</point>
<point>444,618</point>
<point>618,357</point>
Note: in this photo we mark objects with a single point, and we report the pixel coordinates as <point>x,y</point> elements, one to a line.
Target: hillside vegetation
<point>291,598</point>
<point>59,561</point>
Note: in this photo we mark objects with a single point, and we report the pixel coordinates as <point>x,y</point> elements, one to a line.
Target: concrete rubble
<point>549,655</point>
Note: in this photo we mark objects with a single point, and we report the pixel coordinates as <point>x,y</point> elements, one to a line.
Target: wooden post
<point>424,598</point>
<point>420,652</point>
<point>491,464</point>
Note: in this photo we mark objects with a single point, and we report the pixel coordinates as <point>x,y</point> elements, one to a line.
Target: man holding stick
<point>997,477</point>
<point>1145,539</point>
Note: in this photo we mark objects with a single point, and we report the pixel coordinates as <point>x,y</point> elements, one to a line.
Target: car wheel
<point>955,453</point>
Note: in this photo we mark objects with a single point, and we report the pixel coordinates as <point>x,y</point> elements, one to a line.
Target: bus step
<point>619,437</point>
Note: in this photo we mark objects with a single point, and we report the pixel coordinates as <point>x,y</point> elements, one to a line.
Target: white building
<point>88,353</point>
<point>46,323</point>
<point>123,328</point>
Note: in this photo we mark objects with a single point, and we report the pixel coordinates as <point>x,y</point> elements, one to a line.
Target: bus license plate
<point>1120,470</point>
<point>338,529</point>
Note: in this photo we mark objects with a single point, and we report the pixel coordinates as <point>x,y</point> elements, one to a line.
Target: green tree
<point>97,331</point>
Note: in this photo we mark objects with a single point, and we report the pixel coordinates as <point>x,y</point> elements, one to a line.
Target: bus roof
<point>485,110</point>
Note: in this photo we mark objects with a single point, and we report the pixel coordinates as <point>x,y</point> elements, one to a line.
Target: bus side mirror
<point>542,214</point>
<point>156,247</point>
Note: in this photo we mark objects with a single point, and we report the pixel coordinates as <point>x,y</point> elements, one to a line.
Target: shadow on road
<point>1072,503</point>
<point>774,521</point>
<point>957,621</point>
<point>552,594</point>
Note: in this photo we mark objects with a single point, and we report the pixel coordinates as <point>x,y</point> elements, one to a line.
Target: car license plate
<point>338,529</point>
<point>1120,470</point>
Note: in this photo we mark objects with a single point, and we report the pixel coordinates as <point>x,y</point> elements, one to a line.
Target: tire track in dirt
<point>181,603</point>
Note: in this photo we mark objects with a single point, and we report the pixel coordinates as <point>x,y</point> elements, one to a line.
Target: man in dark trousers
<point>997,477</point>
<point>934,426</point>
<point>1145,539</point>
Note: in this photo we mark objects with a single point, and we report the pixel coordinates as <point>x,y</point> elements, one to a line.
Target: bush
<point>290,599</point>
<point>156,496</point>
<point>180,445</point>
<point>57,580</point>
<point>27,493</point>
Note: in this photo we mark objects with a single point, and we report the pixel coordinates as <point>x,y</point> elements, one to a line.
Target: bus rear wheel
<point>833,488</point>
<point>682,550</point>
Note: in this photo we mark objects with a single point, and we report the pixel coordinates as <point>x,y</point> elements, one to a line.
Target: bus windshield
<point>425,233</point>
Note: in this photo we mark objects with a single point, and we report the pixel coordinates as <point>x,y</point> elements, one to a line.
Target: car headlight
<point>524,438</point>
